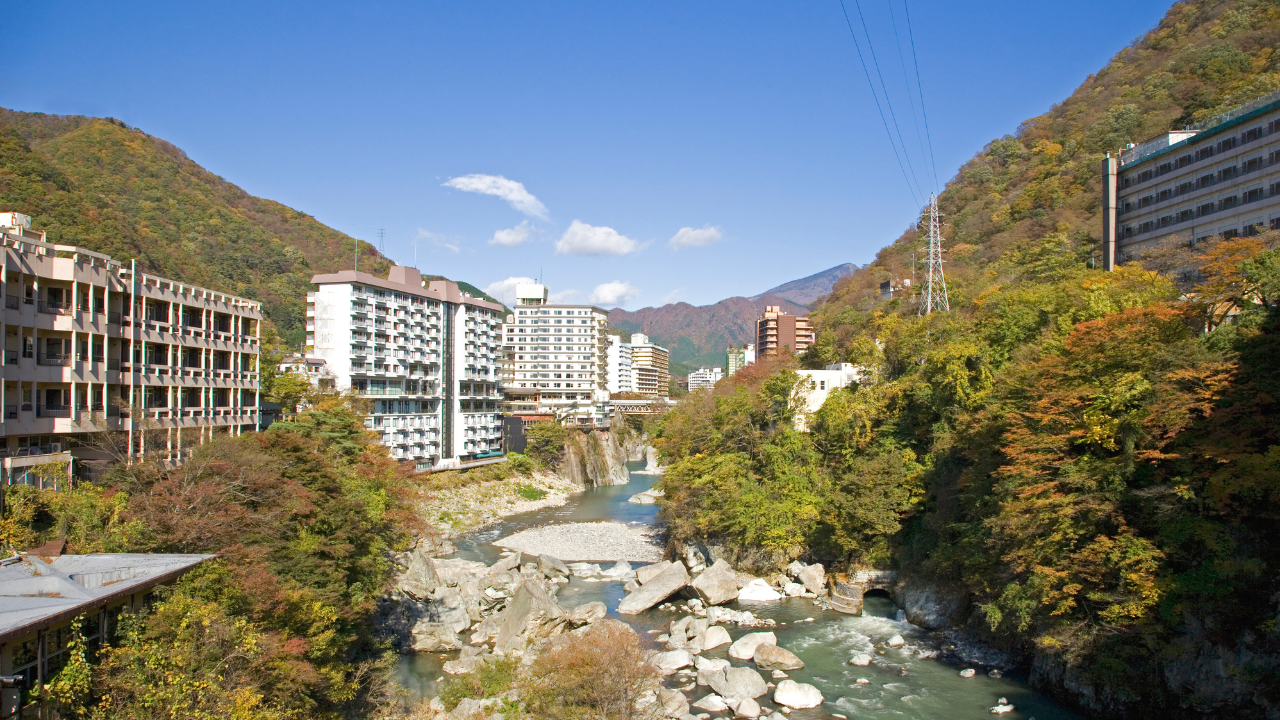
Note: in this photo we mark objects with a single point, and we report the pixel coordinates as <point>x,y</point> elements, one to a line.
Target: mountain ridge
<point>808,290</point>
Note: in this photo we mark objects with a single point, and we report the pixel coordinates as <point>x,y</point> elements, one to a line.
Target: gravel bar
<point>587,542</point>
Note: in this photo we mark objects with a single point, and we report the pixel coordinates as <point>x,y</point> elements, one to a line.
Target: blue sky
<point>575,141</point>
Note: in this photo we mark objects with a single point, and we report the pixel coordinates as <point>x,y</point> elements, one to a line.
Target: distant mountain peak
<point>807,290</point>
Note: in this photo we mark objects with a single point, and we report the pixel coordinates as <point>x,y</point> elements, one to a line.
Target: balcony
<point>54,360</point>
<point>53,411</point>
<point>54,308</point>
<point>11,302</point>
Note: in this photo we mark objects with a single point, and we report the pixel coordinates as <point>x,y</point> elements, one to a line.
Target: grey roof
<point>36,593</point>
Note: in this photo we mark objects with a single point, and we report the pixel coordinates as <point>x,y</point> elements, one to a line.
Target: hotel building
<point>778,332</point>
<point>92,344</point>
<point>1220,178</point>
<point>555,363</point>
<point>650,367</point>
<point>424,355</point>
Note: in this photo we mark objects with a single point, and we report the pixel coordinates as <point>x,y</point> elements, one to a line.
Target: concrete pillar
<point>1110,177</point>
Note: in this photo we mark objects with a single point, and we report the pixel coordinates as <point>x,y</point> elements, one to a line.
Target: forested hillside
<point>1082,466</point>
<point>102,185</point>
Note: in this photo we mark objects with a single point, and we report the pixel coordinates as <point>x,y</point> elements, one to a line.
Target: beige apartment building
<point>778,332</point>
<point>650,367</point>
<point>89,342</point>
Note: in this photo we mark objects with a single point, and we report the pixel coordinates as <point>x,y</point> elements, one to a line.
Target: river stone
<point>435,637</point>
<point>452,571</point>
<point>643,498</point>
<point>711,703</point>
<point>620,569</point>
<point>747,708</point>
<point>860,659</point>
<point>449,608</point>
<point>772,657</point>
<point>646,573</point>
<point>795,567</point>
<point>672,660</point>
<point>793,589</point>
<point>530,614</point>
<point>708,667</point>
<point>587,614</point>
<point>733,683</point>
<point>659,588</point>
<point>510,562</point>
<point>744,647</point>
<point>895,641</point>
<point>797,695</point>
<point>552,567</point>
<point>814,578</point>
<point>967,673</point>
<point>758,590</point>
<point>717,584</point>
<point>680,627</point>
<point>697,626</point>
<point>420,577</point>
<point>673,703</point>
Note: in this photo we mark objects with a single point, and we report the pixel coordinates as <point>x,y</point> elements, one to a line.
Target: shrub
<point>596,674</point>
<point>545,442</point>
<point>490,679</point>
<point>529,492</point>
<point>520,464</point>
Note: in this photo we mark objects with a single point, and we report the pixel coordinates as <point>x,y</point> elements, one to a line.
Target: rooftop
<point>36,592</point>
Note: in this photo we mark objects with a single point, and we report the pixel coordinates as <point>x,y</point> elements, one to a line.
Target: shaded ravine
<point>899,683</point>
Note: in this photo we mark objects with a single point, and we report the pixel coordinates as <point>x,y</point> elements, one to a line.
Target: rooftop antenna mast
<point>934,296</point>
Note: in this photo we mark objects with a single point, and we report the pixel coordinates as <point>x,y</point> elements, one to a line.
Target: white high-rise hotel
<point>555,360</point>
<point>425,355</point>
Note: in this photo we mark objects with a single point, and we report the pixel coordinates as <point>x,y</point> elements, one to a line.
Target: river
<point>900,684</point>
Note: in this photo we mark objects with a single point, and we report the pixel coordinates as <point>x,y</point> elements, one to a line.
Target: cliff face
<point>594,459</point>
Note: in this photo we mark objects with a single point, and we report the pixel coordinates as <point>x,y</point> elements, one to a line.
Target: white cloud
<point>498,186</point>
<point>511,237</point>
<point>437,240</point>
<point>584,239</point>
<point>563,296</point>
<point>673,297</point>
<point>614,293</point>
<point>505,290</point>
<point>688,237</point>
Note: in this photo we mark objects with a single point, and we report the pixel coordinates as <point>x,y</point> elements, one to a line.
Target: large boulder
<point>797,695</point>
<point>448,607</point>
<point>814,578</point>
<point>758,590</point>
<point>708,667</point>
<point>435,637</point>
<point>648,572</point>
<point>452,571</point>
<point>747,708</point>
<point>551,566</point>
<point>420,578</point>
<point>771,657</point>
<point>711,703</point>
<point>531,614</point>
<point>795,567</point>
<point>744,648</point>
<point>659,588</point>
<point>672,660</point>
<point>587,614</point>
<point>717,584</point>
<point>510,562</point>
<point>673,703</point>
<point>733,683</point>
<point>620,569</point>
<point>712,637</point>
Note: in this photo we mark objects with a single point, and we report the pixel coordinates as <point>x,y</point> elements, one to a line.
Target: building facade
<point>618,366</point>
<point>1218,179</point>
<point>650,367</point>
<point>704,378</point>
<point>778,332</point>
<point>740,357</point>
<point>91,344</point>
<point>555,360</point>
<point>819,386</point>
<point>424,355</point>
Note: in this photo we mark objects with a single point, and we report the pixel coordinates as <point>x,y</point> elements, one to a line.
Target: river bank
<point>464,508</point>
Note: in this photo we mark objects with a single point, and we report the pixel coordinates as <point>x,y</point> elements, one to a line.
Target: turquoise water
<point>900,683</point>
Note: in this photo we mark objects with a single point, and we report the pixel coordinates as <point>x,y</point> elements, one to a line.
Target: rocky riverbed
<point>590,542</point>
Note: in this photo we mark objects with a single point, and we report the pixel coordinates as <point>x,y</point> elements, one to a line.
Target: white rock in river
<point>793,589</point>
<point>759,590</point>
<point>708,667</point>
<point>745,647</point>
<point>1001,709</point>
<point>737,683</point>
<point>860,659</point>
<point>620,569</point>
<point>711,703</point>
<point>712,637</point>
<point>747,708</point>
<point>671,661</point>
<point>896,641</point>
<point>797,695</point>
<point>967,673</point>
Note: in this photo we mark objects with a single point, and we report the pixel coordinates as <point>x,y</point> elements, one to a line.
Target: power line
<point>915,62</point>
<point>887,101</point>
<point>906,81</point>
<point>914,194</point>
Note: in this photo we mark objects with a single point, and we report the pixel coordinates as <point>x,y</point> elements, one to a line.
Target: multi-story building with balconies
<point>778,332</point>
<point>92,345</point>
<point>425,356</point>
<point>650,367</point>
<point>1220,178</point>
<point>555,360</point>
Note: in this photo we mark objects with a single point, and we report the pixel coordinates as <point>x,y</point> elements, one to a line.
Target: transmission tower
<point>382,242</point>
<point>934,296</point>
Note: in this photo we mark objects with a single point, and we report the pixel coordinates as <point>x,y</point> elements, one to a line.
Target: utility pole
<point>934,296</point>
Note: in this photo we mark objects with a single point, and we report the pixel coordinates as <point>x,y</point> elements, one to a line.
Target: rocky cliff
<point>593,459</point>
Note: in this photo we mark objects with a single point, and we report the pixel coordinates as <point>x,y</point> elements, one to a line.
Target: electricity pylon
<point>934,296</point>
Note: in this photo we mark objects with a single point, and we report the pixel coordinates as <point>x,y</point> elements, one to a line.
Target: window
<point>1253,195</point>
<point>1204,152</point>
<point>1227,144</point>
